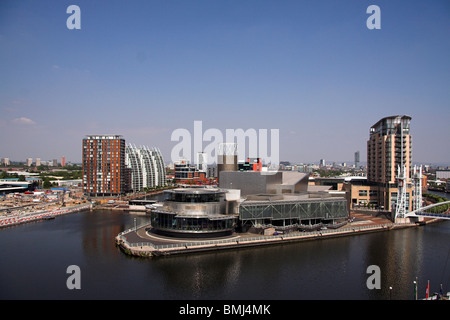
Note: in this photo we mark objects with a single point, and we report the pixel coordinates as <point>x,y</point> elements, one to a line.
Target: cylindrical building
<point>194,213</point>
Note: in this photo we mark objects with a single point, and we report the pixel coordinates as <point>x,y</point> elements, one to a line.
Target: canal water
<point>35,257</point>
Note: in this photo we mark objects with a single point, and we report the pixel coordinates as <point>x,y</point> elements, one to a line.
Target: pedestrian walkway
<point>142,242</point>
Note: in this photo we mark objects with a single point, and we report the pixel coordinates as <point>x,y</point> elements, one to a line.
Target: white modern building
<point>442,174</point>
<point>202,162</point>
<point>146,166</point>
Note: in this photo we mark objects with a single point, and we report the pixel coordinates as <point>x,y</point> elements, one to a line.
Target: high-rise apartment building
<point>389,156</point>
<point>104,165</point>
<point>389,149</point>
<point>146,166</point>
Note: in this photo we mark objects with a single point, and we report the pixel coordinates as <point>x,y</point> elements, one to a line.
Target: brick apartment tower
<point>104,165</point>
<point>389,146</point>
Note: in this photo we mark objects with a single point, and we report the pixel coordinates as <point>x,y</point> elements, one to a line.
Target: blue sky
<point>140,68</point>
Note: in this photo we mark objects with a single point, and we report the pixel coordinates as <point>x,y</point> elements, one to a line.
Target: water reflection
<point>200,275</point>
<point>322,269</point>
<point>325,269</point>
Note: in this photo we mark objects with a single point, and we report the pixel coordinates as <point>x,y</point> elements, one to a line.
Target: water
<point>35,257</point>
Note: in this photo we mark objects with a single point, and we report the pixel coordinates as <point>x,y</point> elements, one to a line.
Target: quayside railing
<point>255,239</point>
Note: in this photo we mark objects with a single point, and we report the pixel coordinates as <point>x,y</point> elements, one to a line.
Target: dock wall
<point>147,249</point>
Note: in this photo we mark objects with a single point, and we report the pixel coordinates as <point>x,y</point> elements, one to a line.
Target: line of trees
<point>436,199</point>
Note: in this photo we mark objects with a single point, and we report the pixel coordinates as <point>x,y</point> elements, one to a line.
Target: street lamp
<point>415,289</point>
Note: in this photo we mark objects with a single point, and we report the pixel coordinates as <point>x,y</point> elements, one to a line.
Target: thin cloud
<point>24,121</point>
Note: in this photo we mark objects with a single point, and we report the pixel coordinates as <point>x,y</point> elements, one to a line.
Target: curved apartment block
<point>146,167</point>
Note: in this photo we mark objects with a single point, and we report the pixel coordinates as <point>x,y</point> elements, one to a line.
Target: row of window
<point>166,221</point>
<point>372,193</point>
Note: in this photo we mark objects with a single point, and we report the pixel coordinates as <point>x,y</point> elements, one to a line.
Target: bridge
<point>445,214</point>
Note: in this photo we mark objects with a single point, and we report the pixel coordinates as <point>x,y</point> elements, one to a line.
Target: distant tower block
<point>227,157</point>
<point>357,159</point>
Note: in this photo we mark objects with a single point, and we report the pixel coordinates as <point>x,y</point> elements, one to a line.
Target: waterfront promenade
<point>50,213</point>
<point>140,241</point>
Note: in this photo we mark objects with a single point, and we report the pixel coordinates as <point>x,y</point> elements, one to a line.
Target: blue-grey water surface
<point>35,257</point>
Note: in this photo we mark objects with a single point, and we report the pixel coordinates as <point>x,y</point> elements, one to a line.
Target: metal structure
<point>290,212</point>
<point>400,207</point>
<point>421,212</point>
<point>417,188</point>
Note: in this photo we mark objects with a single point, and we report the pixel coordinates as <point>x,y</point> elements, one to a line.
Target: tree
<point>47,184</point>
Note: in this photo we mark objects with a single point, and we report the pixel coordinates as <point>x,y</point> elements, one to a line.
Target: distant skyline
<point>142,69</point>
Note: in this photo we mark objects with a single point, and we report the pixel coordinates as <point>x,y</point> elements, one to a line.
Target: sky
<point>311,69</point>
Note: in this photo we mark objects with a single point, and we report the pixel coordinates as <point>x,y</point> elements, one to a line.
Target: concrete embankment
<point>41,215</point>
<point>154,246</point>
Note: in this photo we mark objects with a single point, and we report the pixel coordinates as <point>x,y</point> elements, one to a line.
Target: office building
<point>186,173</point>
<point>104,165</point>
<point>250,165</point>
<point>146,167</point>
<point>322,163</point>
<point>442,174</point>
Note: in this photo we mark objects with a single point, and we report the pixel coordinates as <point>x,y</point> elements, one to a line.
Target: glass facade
<point>193,197</point>
<point>323,209</point>
<point>169,221</point>
<point>193,212</point>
